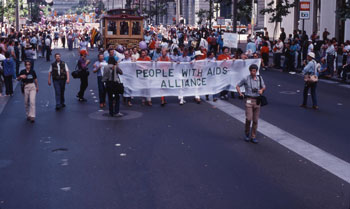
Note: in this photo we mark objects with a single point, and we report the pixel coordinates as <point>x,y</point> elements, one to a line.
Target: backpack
<point>47,41</point>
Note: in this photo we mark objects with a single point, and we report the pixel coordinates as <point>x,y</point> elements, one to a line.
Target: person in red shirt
<point>225,55</point>
<point>163,58</point>
<point>145,57</point>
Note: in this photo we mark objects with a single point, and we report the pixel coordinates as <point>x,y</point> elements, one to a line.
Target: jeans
<point>113,107</point>
<point>48,53</point>
<point>18,64</point>
<point>101,90</point>
<point>43,51</point>
<point>59,86</point>
<point>63,40</point>
<point>70,44</point>
<point>277,60</point>
<point>330,64</point>
<point>313,93</point>
<point>8,84</point>
<point>83,86</point>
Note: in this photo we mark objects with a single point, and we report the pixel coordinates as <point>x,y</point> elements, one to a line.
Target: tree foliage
<point>8,11</point>
<point>344,12</point>
<point>279,11</point>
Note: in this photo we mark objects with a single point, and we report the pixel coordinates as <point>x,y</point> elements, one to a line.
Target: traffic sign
<point>220,20</point>
<point>304,10</point>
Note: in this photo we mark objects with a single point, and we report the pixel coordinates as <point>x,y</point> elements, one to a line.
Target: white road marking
<point>117,145</point>
<point>328,81</point>
<point>66,189</point>
<point>312,153</point>
<point>345,85</point>
<point>122,155</point>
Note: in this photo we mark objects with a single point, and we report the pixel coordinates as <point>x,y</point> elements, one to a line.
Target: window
<point>136,28</point>
<point>112,28</point>
<point>124,28</point>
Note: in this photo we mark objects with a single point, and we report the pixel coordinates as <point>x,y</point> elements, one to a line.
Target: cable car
<point>121,27</point>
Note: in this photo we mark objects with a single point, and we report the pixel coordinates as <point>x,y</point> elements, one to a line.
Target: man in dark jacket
<point>59,73</point>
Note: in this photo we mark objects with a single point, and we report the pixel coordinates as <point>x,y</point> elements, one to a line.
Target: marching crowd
<point>176,44</point>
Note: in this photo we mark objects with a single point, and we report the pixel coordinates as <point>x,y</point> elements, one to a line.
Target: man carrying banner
<point>145,57</point>
<point>254,87</point>
<point>198,56</point>
<point>163,58</point>
<point>183,58</point>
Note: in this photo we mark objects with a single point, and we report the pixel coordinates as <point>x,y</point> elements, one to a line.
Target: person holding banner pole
<point>224,56</point>
<point>198,56</point>
<point>163,58</point>
<point>211,58</point>
<point>145,57</point>
<point>183,58</point>
<point>127,58</point>
<point>254,87</point>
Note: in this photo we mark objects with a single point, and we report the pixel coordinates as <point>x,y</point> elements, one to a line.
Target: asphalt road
<point>173,157</point>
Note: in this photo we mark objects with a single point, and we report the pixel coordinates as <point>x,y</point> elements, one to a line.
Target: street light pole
<point>17,15</point>
<point>234,24</point>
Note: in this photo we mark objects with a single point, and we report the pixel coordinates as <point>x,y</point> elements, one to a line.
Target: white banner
<point>155,79</point>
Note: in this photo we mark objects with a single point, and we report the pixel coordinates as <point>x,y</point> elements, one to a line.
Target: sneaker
<point>82,100</point>
<point>246,138</point>
<point>63,105</point>
<point>119,114</point>
<point>315,107</point>
<point>303,106</point>
<point>254,140</point>
<point>32,120</point>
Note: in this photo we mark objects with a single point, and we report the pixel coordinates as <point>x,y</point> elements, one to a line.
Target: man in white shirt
<point>278,50</point>
<point>99,66</point>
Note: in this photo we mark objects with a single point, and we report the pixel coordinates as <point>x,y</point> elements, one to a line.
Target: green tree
<point>277,12</point>
<point>156,9</point>
<point>244,10</point>
<point>344,12</point>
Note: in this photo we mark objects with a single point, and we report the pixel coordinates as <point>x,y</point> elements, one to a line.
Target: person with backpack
<point>56,37</point>
<point>311,78</point>
<point>9,73</point>
<point>83,64</point>
<point>48,42</point>
<point>110,77</point>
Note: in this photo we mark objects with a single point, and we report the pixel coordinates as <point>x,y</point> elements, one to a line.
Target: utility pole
<point>234,23</point>
<point>253,17</point>
<point>17,15</point>
<point>177,11</point>
<point>210,13</point>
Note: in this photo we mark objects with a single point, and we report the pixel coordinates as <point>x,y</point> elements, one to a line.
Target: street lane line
<point>345,86</point>
<point>328,81</point>
<point>314,154</point>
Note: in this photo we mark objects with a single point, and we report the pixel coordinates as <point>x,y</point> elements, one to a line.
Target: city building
<point>62,6</point>
<point>322,16</point>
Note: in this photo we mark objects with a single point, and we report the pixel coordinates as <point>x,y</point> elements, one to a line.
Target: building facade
<point>322,16</point>
<point>62,6</point>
